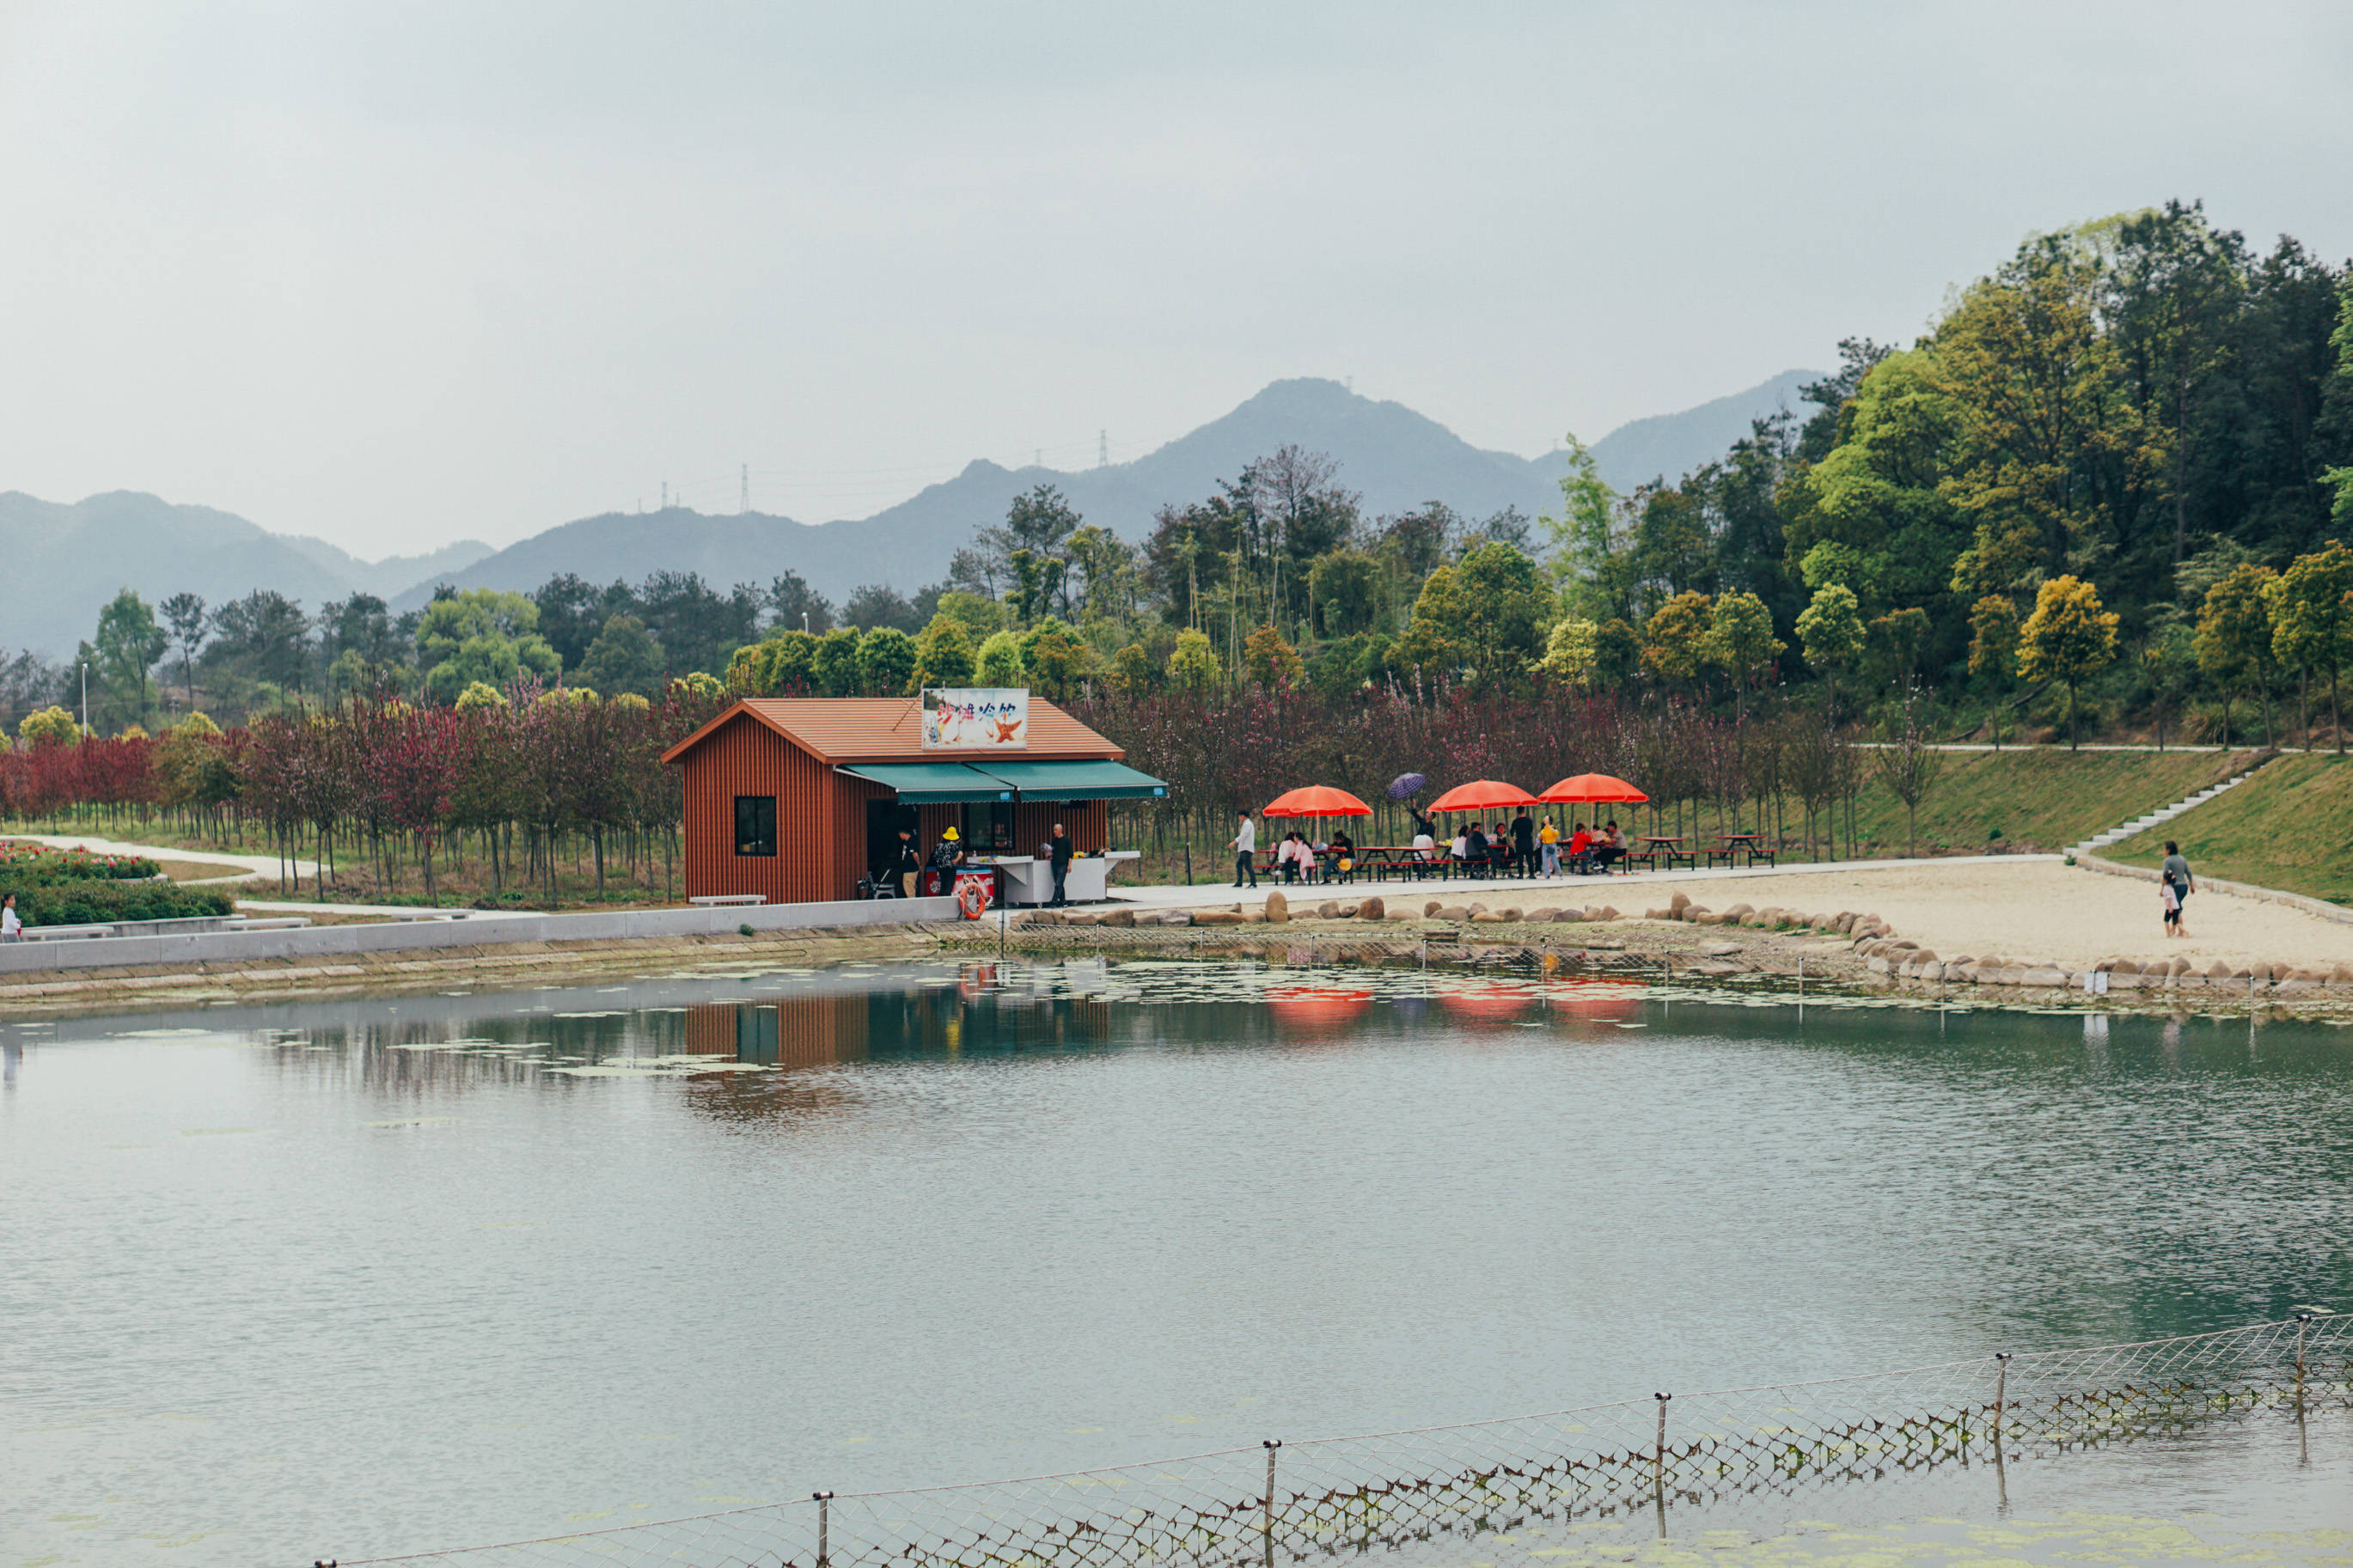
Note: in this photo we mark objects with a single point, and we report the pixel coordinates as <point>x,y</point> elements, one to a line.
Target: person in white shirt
<point>1425,850</point>
<point>12,924</point>
<point>1245,845</point>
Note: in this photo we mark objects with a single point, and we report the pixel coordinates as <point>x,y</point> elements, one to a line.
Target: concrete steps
<point>2140,825</point>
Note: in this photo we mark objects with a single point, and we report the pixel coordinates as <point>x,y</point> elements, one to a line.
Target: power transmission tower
<point>665,495</point>
<point>744,501</point>
<point>1102,448</point>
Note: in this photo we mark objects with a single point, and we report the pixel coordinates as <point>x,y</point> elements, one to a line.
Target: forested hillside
<point>2098,495</point>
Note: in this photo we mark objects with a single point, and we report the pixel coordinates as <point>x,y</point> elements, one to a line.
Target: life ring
<point>972,897</point>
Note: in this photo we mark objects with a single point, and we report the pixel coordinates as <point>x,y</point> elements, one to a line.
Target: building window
<point>755,824</point>
<point>988,824</point>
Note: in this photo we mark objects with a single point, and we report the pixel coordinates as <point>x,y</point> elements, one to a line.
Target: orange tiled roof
<point>891,730</point>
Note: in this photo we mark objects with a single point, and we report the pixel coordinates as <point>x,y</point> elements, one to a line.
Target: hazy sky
<point>395,275</point>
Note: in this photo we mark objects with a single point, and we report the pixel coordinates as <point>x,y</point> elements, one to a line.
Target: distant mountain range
<point>66,560</point>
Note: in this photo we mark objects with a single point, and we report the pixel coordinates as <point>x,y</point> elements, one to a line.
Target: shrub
<point>94,903</point>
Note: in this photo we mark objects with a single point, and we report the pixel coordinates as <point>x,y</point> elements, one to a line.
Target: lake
<point>350,1278</point>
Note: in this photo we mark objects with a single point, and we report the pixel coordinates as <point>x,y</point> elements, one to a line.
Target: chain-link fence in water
<point>1304,1499</point>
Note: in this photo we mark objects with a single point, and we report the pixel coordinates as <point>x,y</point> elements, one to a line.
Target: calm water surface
<point>340,1279</point>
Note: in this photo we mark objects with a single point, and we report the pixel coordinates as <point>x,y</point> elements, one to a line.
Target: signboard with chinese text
<point>976,718</point>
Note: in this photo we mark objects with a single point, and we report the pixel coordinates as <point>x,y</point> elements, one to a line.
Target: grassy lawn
<point>2289,827</point>
<point>1990,802</point>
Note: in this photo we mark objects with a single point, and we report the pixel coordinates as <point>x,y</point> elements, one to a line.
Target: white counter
<point>1030,879</point>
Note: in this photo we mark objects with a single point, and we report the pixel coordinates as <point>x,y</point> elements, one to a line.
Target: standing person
<point>1060,860</point>
<point>1548,844</point>
<point>909,864</point>
<point>1524,844</point>
<point>1244,845</point>
<point>2178,882</point>
<point>12,924</point>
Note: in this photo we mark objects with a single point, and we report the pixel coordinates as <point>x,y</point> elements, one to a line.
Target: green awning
<point>1076,781</point>
<point>931,783</point>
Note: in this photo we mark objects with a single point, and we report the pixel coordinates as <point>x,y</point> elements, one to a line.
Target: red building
<point>796,798</point>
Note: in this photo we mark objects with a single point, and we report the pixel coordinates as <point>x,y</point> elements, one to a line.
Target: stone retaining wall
<point>476,931</point>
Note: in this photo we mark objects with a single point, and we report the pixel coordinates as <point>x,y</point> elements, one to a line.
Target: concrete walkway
<point>1621,890</point>
<point>246,867</point>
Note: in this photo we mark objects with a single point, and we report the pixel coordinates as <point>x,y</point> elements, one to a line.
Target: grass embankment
<point>1986,802</point>
<point>2290,827</point>
<point>2006,802</point>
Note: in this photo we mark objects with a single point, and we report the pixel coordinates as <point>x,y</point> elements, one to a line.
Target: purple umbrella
<point>1405,786</point>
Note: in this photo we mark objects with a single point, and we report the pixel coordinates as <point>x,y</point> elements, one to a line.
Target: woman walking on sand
<point>2174,887</point>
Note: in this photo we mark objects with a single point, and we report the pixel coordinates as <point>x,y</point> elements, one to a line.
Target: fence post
<point>2303,1320</point>
<point>2001,1389</point>
<point>1271,1444</point>
<point>1659,1453</point>
<point>824,1557</point>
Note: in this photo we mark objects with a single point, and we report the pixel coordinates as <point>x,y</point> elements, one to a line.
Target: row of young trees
<point>503,782</point>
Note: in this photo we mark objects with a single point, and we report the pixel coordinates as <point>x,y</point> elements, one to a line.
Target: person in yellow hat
<point>949,855</point>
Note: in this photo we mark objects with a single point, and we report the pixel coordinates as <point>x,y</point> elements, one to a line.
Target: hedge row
<point>95,903</point>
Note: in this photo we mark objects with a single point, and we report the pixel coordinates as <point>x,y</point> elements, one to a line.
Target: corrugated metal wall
<point>746,758</point>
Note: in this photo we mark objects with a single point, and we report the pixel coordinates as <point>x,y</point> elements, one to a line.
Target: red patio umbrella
<point>1594,789</point>
<point>1317,800</point>
<point>1482,794</point>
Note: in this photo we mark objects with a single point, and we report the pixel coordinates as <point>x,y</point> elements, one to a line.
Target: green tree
<point>834,664</point>
<point>1830,631</point>
<point>1132,669</point>
<point>1504,608</point>
<point>1271,661</point>
<point>1675,638</point>
<point>2068,637</point>
<point>481,634</point>
<point>1583,556</point>
<point>886,662</point>
<point>1909,765</point>
<point>1437,635</point>
<point>1570,648</point>
<point>1193,666</point>
<point>50,726</point>
<point>1616,652</point>
<point>1000,662</point>
<point>184,619</point>
<point>624,657</point>
<point>2312,620</point>
<point>129,644</point>
<point>1993,650</point>
<point>1740,640</point>
<point>2233,640</point>
<point>478,697</point>
<point>1057,661</point>
<point>944,654</point>
<point>1346,588</point>
<point>978,616</point>
<point>2049,452</point>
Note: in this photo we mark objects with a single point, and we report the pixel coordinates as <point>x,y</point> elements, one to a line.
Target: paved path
<point>247,865</point>
<point>1616,889</point>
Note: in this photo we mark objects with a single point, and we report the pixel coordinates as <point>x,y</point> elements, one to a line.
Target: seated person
<point>1613,847</point>
<point>1425,850</point>
<point>1344,856</point>
<point>1474,859</point>
<point>1458,856</point>
<point>1580,849</point>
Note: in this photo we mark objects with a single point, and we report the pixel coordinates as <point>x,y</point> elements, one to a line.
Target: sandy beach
<point>2023,908</point>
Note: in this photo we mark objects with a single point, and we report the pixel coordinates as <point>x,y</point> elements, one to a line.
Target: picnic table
<point>1732,844</point>
<point>1378,860</point>
<point>1667,846</point>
